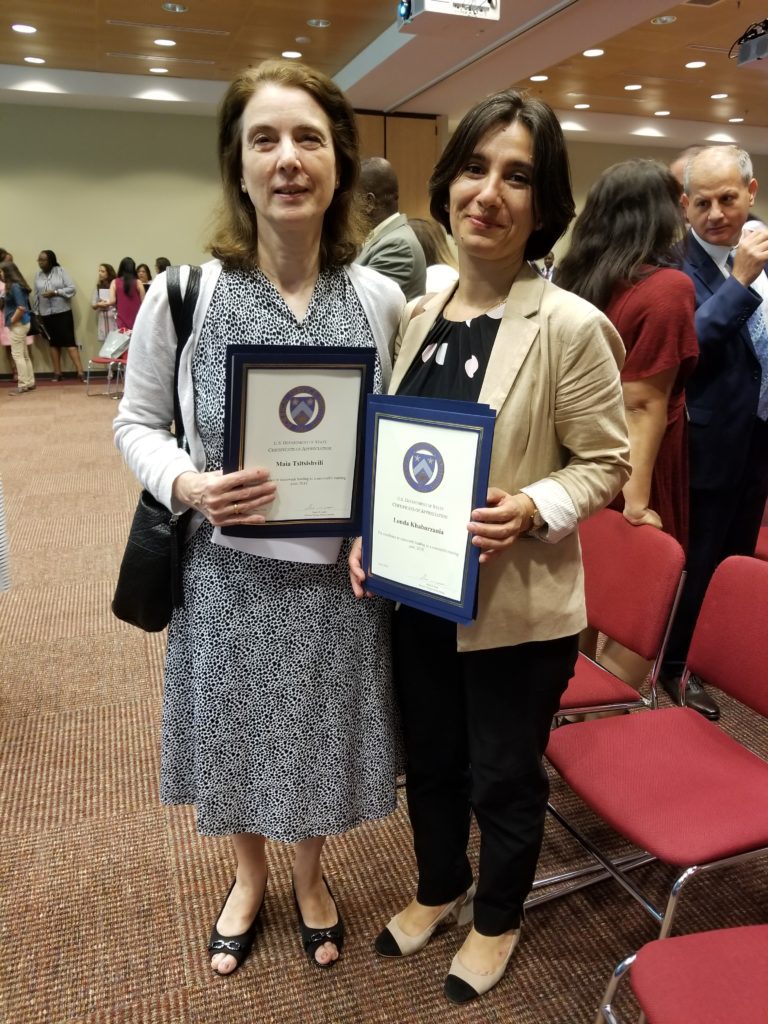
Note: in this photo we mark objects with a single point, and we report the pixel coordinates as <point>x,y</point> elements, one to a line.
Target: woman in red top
<point>621,257</point>
<point>127,293</point>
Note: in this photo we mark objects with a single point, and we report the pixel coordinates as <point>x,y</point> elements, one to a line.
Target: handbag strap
<point>182,314</point>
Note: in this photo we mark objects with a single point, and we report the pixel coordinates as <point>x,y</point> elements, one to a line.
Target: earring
<point>242,185</point>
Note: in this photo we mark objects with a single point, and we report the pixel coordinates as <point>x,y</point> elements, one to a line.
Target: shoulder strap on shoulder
<point>182,314</point>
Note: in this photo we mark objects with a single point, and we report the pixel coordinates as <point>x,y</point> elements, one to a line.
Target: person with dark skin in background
<point>54,290</point>
<point>392,247</point>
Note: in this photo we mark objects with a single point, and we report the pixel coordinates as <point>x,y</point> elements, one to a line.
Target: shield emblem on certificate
<point>302,409</point>
<point>423,467</point>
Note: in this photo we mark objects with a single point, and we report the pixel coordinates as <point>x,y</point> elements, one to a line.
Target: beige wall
<point>96,186</point>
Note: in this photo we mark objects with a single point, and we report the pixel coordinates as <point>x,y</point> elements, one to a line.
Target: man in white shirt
<point>727,396</point>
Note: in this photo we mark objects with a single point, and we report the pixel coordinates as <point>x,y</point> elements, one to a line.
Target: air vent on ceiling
<point>702,3</point>
<point>164,58</point>
<point>164,28</point>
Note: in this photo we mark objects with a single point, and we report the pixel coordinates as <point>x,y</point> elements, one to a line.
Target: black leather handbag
<point>149,585</point>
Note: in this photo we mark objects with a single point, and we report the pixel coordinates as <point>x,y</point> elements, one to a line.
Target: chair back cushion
<point>631,576</point>
<point>729,648</point>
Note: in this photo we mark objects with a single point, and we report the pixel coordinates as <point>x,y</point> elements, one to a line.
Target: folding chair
<point>718,977</point>
<point>633,578</point>
<point>672,783</point>
<point>111,375</point>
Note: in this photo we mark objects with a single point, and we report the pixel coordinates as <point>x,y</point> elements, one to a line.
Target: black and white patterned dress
<point>278,712</point>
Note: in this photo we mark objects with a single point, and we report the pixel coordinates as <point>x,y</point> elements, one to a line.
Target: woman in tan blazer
<point>477,701</point>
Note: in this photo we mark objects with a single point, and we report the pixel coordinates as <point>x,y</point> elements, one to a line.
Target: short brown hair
<point>553,205</point>
<point>235,237</point>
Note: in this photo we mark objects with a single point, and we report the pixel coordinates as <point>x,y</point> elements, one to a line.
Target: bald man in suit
<point>392,247</point>
<point>727,395</point>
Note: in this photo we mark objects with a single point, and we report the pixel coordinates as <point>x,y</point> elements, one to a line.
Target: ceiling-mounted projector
<point>753,45</point>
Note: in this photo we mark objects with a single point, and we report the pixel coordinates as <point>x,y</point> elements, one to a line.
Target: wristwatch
<point>538,519</point>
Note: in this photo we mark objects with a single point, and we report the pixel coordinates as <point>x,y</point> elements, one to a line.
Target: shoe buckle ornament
<point>229,944</point>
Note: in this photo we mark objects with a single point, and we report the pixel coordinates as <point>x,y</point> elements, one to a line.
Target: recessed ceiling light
<point>719,96</point>
<point>158,71</point>
<point>291,54</point>
<point>175,8</point>
<point>661,113</point>
<point>663,19</point>
<point>303,40</point>
<point>26,30</point>
<point>164,42</point>
<point>720,137</point>
<point>632,88</point>
<point>593,53</point>
<point>318,23</point>
<point>696,64</point>
<point>539,78</point>
<point>581,106</point>
<point>653,133</point>
<point>34,60</point>
<point>735,120</point>
<point>572,126</point>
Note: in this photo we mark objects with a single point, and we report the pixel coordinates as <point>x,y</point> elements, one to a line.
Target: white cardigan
<point>142,425</point>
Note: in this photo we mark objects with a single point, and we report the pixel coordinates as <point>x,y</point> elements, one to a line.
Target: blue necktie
<point>758,331</point>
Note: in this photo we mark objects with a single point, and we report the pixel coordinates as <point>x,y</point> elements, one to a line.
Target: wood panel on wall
<point>412,147</point>
<point>372,134</point>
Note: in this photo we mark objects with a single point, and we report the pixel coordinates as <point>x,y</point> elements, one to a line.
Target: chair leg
<point>605,1014</point>
<point>119,381</point>
<point>674,896</point>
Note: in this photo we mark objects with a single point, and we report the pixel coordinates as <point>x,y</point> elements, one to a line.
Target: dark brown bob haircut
<point>553,205</point>
<point>235,238</point>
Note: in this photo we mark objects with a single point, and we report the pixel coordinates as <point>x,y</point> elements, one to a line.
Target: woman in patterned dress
<point>278,719</point>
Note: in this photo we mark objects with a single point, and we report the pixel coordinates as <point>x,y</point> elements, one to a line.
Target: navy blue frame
<point>449,414</point>
<point>241,359</point>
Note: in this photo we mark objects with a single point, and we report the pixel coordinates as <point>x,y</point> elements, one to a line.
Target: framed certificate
<point>300,412</point>
<point>426,467</point>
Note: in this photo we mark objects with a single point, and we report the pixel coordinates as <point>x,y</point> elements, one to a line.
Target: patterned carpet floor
<point>108,897</point>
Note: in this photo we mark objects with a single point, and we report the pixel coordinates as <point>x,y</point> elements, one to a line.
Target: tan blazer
<point>553,379</point>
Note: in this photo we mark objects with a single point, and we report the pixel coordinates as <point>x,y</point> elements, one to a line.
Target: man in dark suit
<point>727,396</point>
<point>392,247</point>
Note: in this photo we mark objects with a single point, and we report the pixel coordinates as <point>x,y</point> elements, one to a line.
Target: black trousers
<point>476,725</point>
<point>723,522</point>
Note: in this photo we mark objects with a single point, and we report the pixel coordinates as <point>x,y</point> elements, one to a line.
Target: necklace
<point>498,302</point>
<point>494,305</point>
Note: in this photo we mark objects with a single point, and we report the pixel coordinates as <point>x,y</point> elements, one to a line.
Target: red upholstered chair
<point>672,783</point>
<point>97,362</point>
<point>633,578</point>
<point>718,977</point>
